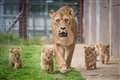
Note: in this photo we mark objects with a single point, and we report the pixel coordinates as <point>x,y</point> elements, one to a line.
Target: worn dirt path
<point>110,71</point>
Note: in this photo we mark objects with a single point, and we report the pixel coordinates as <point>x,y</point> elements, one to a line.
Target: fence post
<point>23,19</point>
<point>81,19</point>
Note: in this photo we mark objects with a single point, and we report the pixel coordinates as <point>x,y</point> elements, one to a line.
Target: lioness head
<point>63,25</point>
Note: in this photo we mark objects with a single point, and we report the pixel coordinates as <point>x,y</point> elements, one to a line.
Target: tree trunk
<point>23,19</point>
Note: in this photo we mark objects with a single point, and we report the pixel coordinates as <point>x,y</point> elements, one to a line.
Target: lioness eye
<point>57,20</point>
<point>66,20</point>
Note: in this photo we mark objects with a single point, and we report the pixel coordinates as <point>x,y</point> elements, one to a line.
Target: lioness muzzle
<point>63,34</point>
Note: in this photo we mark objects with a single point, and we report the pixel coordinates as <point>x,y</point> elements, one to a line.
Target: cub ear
<point>50,49</point>
<point>85,47</point>
<point>19,49</point>
<point>11,50</point>
<point>108,46</point>
<point>52,13</point>
<point>43,49</point>
<point>97,46</point>
<point>93,48</point>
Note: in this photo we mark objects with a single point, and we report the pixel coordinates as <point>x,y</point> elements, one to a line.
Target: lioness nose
<point>63,28</point>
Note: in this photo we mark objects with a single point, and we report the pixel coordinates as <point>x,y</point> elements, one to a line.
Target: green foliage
<point>14,39</point>
<point>32,41</point>
<point>9,38</point>
<point>31,66</point>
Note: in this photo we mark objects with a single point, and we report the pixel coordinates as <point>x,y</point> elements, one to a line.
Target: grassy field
<point>31,66</point>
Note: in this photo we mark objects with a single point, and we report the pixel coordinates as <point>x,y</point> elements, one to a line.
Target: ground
<point>103,72</point>
<point>31,66</point>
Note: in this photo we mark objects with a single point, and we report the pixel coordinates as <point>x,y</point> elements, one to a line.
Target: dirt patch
<point>109,71</point>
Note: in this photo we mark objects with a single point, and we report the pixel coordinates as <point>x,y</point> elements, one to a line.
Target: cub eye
<point>57,20</point>
<point>66,20</point>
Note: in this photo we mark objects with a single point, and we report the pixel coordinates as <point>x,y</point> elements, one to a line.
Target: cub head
<point>15,52</point>
<point>48,53</point>
<point>89,49</point>
<point>105,48</point>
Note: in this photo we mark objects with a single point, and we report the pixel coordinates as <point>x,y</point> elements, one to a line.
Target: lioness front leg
<point>59,58</point>
<point>68,54</point>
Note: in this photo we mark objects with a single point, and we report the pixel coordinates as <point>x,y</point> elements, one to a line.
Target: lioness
<point>64,33</point>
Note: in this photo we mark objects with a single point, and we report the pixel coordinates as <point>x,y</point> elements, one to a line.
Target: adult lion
<point>64,33</point>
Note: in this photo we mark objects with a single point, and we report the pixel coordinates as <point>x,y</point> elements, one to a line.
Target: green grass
<point>31,66</point>
<point>16,40</point>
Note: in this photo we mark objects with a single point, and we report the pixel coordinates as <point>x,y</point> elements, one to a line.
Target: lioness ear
<point>72,12</point>
<point>51,13</point>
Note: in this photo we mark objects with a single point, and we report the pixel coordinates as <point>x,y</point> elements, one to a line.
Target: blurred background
<point>36,18</point>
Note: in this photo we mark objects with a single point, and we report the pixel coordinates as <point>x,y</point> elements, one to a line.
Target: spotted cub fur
<point>47,59</point>
<point>103,52</point>
<point>14,58</point>
<point>90,57</point>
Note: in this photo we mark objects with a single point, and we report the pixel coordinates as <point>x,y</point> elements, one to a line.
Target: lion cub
<point>14,58</point>
<point>47,59</point>
<point>103,52</point>
<point>90,57</point>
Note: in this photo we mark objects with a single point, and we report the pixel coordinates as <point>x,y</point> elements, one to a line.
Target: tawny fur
<point>64,46</point>
<point>47,59</point>
<point>15,58</point>
<point>90,57</point>
<point>103,52</point>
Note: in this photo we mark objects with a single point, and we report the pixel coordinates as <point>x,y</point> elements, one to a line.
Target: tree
<point>23,19</point>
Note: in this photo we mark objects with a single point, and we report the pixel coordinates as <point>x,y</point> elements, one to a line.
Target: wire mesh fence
<point>38,21</point>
